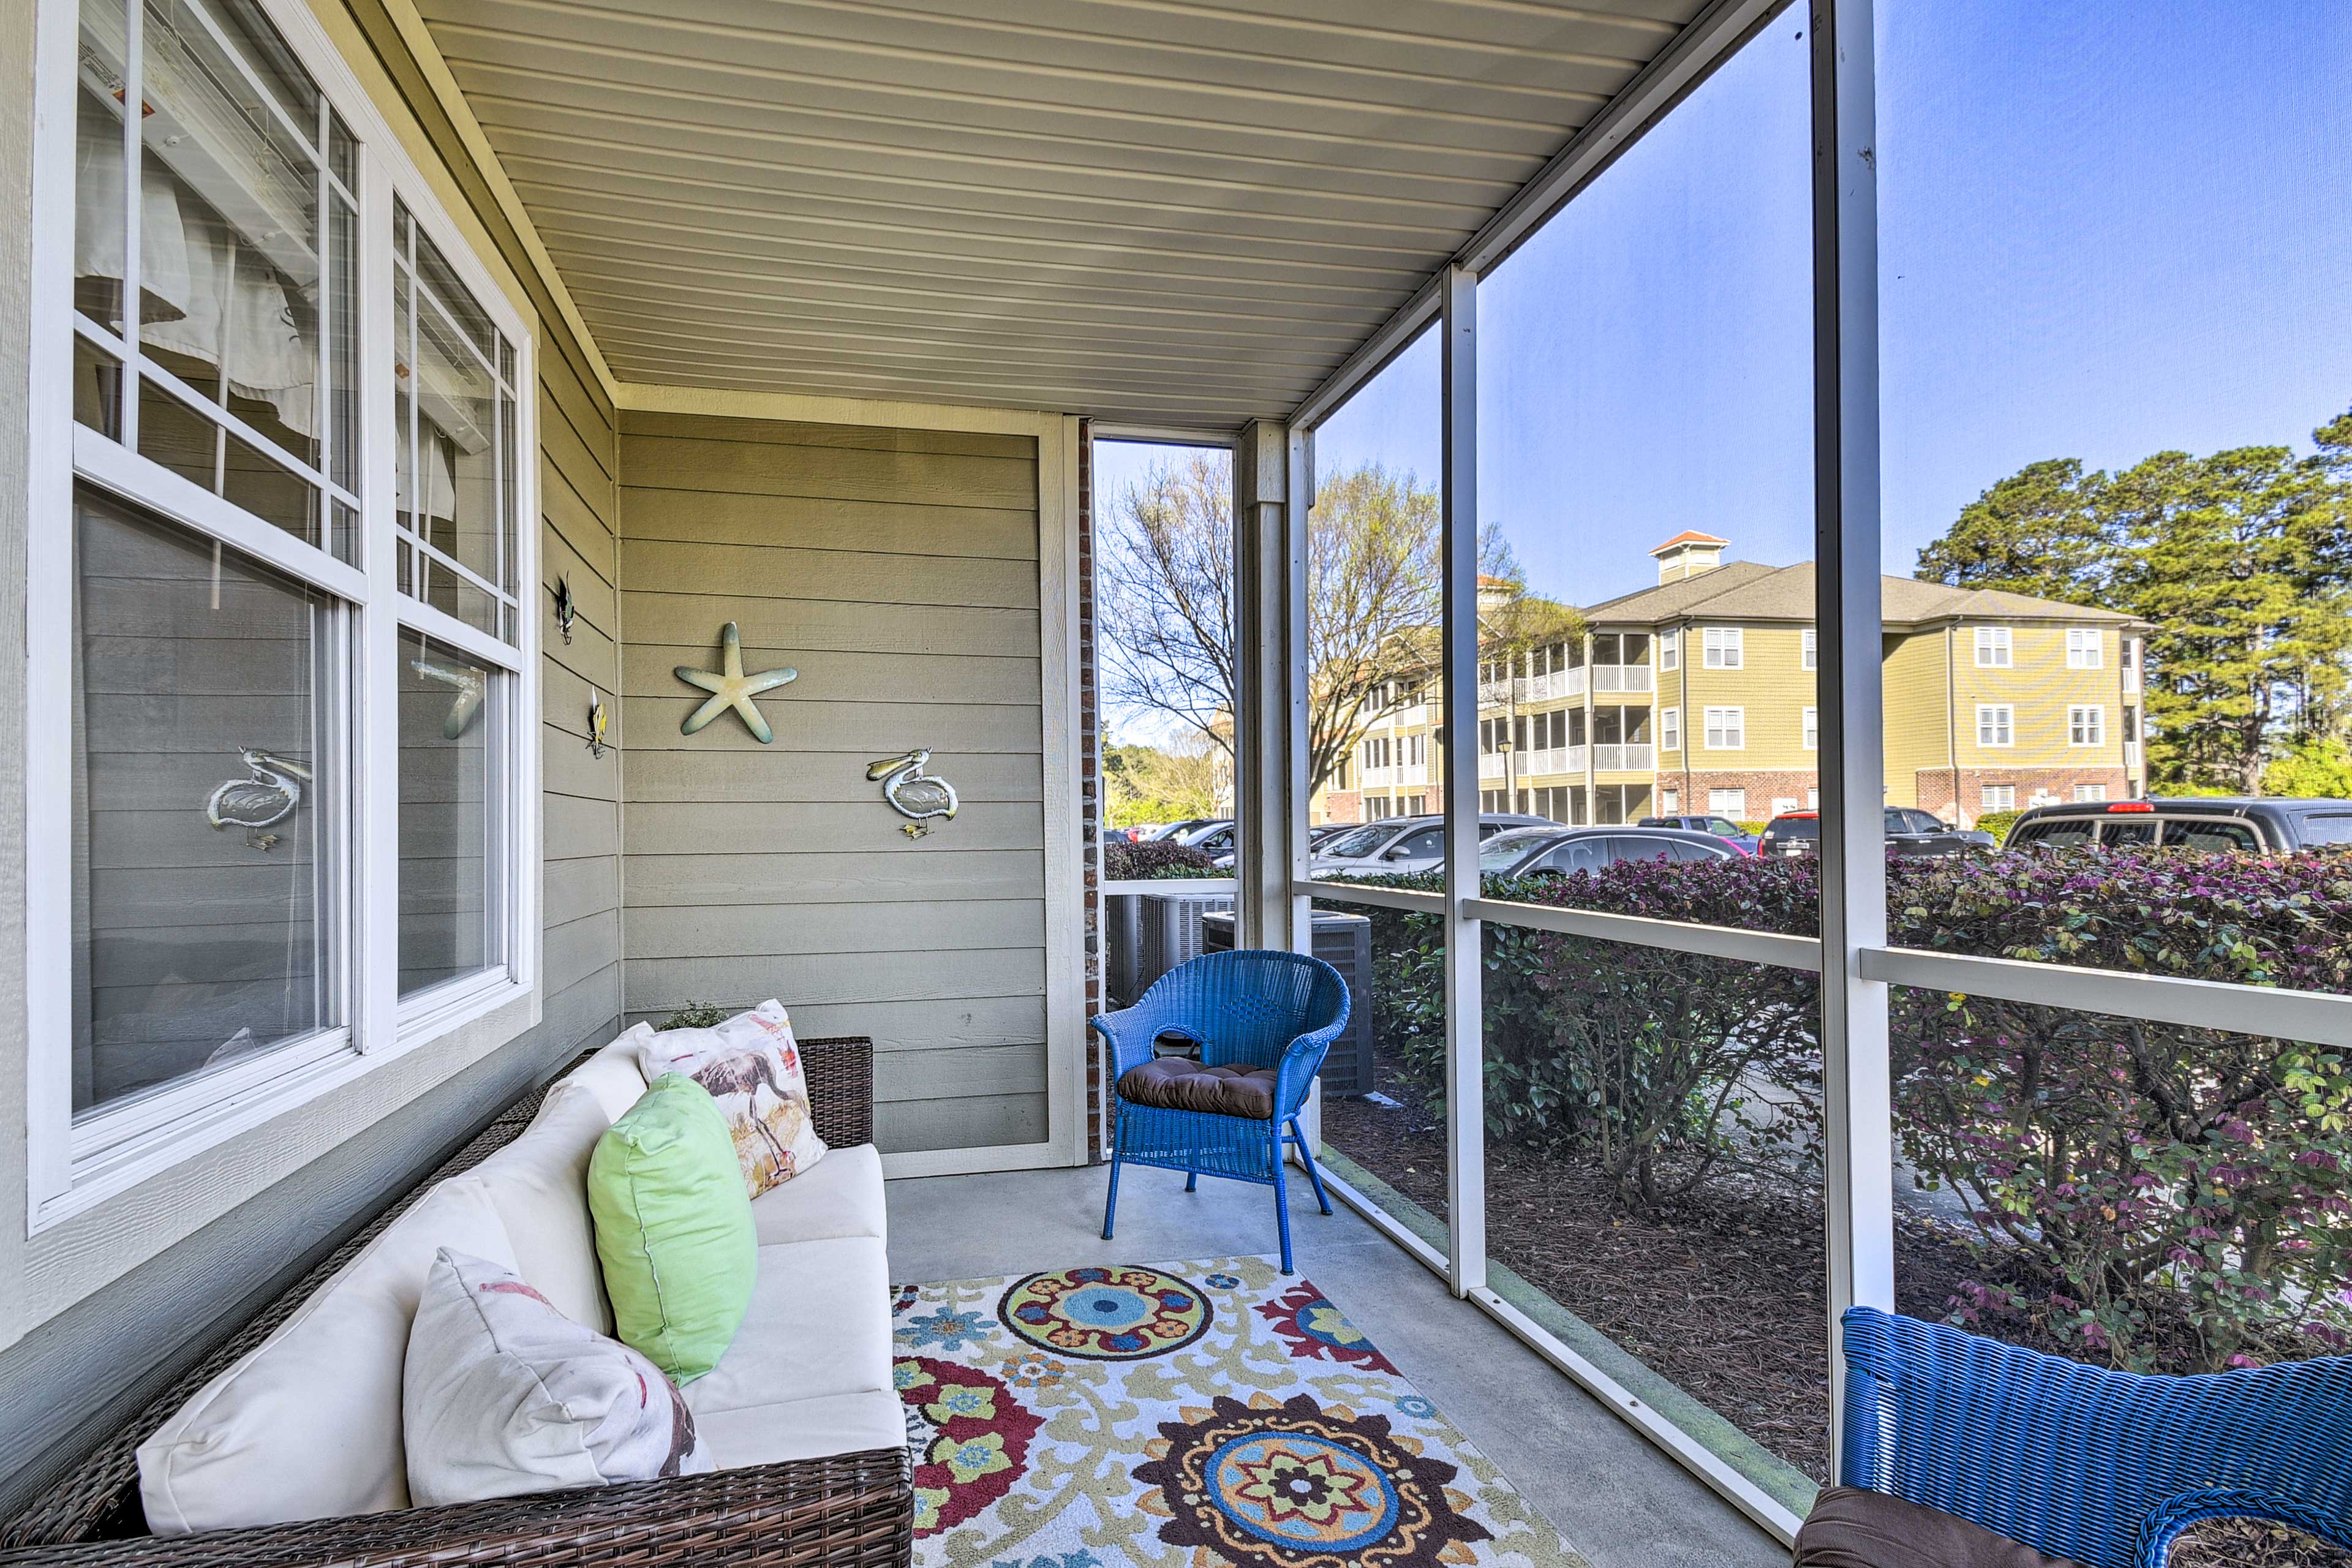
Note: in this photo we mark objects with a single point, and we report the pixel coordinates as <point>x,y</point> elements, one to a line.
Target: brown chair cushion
<point>1854,1528</point>
<point>1179,1083</point>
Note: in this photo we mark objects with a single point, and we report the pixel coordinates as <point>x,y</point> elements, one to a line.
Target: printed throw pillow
<point>503,1395</point>
<point>751,1066</point>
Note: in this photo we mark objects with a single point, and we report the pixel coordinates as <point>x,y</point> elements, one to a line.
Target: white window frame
<point>1727,803</point>
<point>1728,724</point>
<point>1812,729</point>
<point>1996,797</point>
<point>74,1165</point>
<point>1724,647</point>
<point>1995,648</point>
<point>2002,719</point>
<point>1809,652</point>
<point>2090,793</point>
<point>2086,724</point>
<point>1670,650</point>
<point>2086,648</point>
<point>1670,728</point>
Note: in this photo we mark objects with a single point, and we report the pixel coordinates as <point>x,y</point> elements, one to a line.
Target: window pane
<point>204,905</point>
<point>178,437</point>
<point>459,486</point>
<point>229,233</point>
<point>101,204</point>
<point>98,389</point>
<point>451,820</point>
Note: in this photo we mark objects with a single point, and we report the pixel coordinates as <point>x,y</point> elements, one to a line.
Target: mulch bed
<point>1725,1296</point>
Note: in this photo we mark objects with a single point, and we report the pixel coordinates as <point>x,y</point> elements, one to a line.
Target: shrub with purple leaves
<point>2164,1197</point>
<point>1156,861</point>
<point>2169,1196</point>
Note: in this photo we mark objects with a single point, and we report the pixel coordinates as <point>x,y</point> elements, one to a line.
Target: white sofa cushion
<point>307,1423</point>
<point>840,1196</point>
<point>503,1395</point>
<point>804,1429</point>
<point>819,1324</point>
<point>540,1183</point>
<point>612,1075</point>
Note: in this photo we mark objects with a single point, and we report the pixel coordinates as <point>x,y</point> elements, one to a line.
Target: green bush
<point>1997,823</point>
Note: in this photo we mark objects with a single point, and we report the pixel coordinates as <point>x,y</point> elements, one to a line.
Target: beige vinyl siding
<point>580,794</point>
<point>1773,687</point>
<point>897,571</point>
<point>2040,686</point>
<point>1919,720</point>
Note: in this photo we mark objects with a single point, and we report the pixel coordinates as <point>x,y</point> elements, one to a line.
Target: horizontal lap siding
<point>897,570</point>
<point>580,805</point>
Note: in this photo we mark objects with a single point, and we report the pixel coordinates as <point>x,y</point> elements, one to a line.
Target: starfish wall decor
<point>730,688</point>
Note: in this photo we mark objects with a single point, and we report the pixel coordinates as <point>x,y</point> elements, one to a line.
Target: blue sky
<point>2106,230</point>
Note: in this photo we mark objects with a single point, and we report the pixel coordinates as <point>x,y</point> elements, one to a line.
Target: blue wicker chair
<point>2107,1468</point>
<point>1253,1008</point>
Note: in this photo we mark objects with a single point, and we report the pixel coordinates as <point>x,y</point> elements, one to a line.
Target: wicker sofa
<point>846,1510</point>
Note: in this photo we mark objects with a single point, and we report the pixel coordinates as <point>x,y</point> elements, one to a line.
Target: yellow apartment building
<point>1698,695</point>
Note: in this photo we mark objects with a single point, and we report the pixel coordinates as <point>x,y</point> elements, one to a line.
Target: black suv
<point>1909,833</point>
<point>2248,824</point>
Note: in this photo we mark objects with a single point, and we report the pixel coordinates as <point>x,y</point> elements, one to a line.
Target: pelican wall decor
<point>730,688</point>
<point>469,684</point>
<point>266,796</point>
<point>911,792</point>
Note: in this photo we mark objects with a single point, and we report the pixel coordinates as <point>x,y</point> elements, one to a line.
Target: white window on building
<point>1812,799</point>
<point>1727,729</point>
<point>1996,724</point>
<point>2086,725</point>
<point>2090,791</point>
<point>1997,798</point>
<point>1670,802</point>
<point>1812,729</point>
<point>359,725</point>
<point>1670,728</point>
<point>1670,650</point>
<point>1810,655</point>
<point>1724,647</point>
<point>1783,803</point>
<point>1994,648</point>
<point>1730,803</point>
<point>2084,650</point>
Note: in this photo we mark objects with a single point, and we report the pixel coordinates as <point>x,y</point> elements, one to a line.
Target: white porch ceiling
<point>1175,212</point>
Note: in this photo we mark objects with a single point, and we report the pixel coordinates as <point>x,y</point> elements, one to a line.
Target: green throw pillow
<point>674,1227</point>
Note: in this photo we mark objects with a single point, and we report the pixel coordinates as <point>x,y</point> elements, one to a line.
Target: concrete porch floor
<point>1616,1499</point>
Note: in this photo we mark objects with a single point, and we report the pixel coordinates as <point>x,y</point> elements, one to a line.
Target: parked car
<point>1214,836</point>
<point>1564,851</point>
<point>1175,831</point>
<point>1402,844</point>
<point>2248,824</point>
<point>1910,833</point>
<point>1315,838</point>
<point>1723,827</point>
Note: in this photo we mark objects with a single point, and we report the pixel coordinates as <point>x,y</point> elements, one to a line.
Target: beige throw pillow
<point>751,1066</point>
<point>504,1396</point>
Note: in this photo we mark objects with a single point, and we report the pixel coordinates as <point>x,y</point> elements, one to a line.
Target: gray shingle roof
<point>1747,591</point>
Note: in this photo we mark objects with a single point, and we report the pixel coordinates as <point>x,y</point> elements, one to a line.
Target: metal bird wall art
<point>470,685</point>
<point>911,792</point>
<point>566,606</point>
<point>596,721</point>
<point>730,688</point>
<point>266,796</point>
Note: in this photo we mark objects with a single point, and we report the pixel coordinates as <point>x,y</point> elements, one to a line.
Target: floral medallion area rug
<point>1183,1415</point>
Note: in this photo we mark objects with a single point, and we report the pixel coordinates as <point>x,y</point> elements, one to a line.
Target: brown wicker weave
<point>851,1510</point>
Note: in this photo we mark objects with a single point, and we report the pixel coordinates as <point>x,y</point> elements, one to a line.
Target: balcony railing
<point>1494,693</point>
<point>1634,759</point>
<point>1623,677</point>
<point>1375,778</point>
<point>1412,772</point>
<point>1490,767</point>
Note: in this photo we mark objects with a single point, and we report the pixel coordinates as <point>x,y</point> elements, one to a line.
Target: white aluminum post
<point>1858,1142</point>
<point>1465,1144</point>
<point>1264,681</point>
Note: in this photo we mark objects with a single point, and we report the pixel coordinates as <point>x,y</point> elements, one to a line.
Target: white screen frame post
<point>1858,1165</point>
<point>1466,1099</point>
